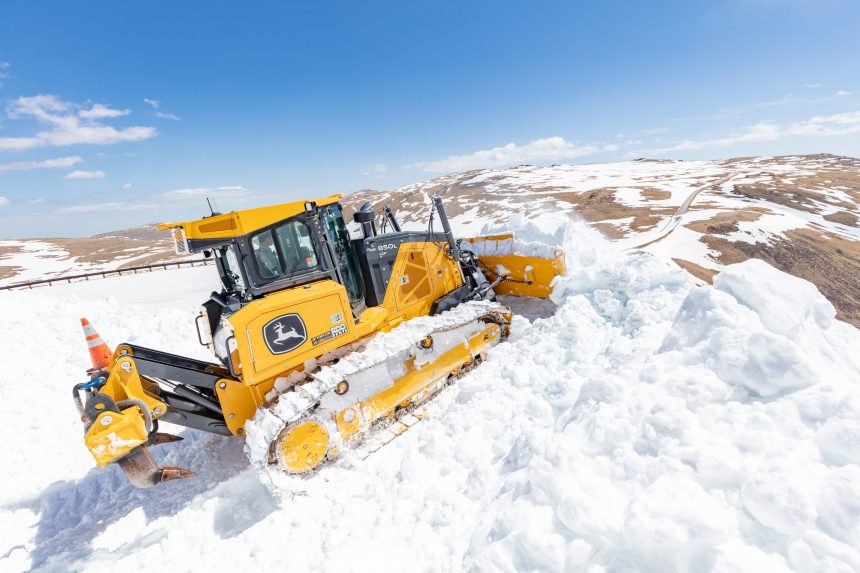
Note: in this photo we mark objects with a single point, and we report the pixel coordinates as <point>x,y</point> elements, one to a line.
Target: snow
<point>520,242</point>
<point>36,259</point>
<point>784,303</point>
<point>766,228</point>
<point>643,423</point>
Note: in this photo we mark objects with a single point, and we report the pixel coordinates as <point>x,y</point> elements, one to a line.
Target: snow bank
<point>529,238</point>
<point>783,302</point>
<point>647,425</point>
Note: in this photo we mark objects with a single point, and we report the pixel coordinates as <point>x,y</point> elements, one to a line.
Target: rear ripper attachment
<point>121,407</point>
<point>319,337</point>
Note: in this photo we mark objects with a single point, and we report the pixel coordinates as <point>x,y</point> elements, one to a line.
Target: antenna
<point>211,210</point>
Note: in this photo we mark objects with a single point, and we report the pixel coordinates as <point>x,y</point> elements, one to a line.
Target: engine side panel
<point>421,274</point>
<point>377,258</point>
<point>281,331</point>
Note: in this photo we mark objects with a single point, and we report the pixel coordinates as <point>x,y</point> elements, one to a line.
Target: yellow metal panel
<point>114,434</point>
<point>325,312</point>
<point>414,283</point>
<point>237,223</point>
<point>532,276</point>
<point>124,382</point>
<point>421,274</point>
<point>303,446</point>
<point>239,402</point>
<point>372,319</point>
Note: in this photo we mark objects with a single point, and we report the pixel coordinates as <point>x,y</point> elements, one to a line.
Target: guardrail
<point>105,274</point>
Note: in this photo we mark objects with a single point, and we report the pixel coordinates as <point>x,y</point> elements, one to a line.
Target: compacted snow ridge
<point>637,422</point>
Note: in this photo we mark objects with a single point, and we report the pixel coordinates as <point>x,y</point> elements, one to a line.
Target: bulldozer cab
<point>259,251</point>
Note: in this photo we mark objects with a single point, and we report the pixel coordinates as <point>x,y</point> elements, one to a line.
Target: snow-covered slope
<point>799,213</point>
<point>643,424</point>
<point>35,259</point>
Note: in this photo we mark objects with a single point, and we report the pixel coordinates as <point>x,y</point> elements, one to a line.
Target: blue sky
<point>114,114</point>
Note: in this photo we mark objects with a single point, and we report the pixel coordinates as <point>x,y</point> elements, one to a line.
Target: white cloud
<point>549,149</point>
<point>785,102</point>
<point>838,124</point>
<point>152,102</point>
<point>99,111</point>
<point>127,185</point>
<point>86,175</point>
<point>4,201</point>
<point>378,169</point>
<point>70,124</point>
<point>38,201</point>
<point>818,126</point>
<point>45,108</point>
<point>59,163</point>
<point>104,208</point>
<point>97,135</point>
<point>812,85</point>
<point>165,115</point>
<point>227,192</point>
<point>19,143</point>
<point>3,75</point>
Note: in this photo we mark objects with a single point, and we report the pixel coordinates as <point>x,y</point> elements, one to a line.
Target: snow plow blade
<point>521,269</point>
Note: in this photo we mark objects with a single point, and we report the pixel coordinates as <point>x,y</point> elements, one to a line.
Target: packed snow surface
<point>647,424</point>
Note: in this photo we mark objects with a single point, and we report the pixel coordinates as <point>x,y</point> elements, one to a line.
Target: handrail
<point>105,274</point>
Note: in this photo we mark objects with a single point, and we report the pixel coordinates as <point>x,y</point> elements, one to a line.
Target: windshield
<point>284,250</point>
<point>232,274</point>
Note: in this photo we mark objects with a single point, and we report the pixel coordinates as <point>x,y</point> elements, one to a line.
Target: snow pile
<point>528,237</point>
<point>511,246</point>
<point>36,259</point>
<point>646,425</point>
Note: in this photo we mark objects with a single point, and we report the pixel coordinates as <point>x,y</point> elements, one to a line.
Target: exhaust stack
<point>365,217</point>
<point>446,226</point>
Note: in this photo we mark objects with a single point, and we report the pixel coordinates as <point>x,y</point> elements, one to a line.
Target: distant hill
<point>799,213</point>
<point>33,259</point>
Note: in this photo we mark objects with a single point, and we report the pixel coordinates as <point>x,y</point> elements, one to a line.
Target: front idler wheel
<point>302,446</point>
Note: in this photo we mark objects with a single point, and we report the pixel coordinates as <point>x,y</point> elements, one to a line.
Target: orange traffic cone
<point>100,354</point>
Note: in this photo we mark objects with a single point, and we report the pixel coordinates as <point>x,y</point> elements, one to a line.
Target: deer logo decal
<point>285,333</point>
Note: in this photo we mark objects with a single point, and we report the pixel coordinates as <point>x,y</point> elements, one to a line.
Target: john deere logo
<point>285,333</point>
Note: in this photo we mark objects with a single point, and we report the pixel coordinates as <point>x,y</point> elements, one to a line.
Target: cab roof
<point>238,223</point>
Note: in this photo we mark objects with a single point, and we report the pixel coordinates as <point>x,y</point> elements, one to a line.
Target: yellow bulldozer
<point>319,338</point>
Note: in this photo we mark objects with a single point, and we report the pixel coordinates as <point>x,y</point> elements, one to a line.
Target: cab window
<point>283,251</point>
<point>232,276</point>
